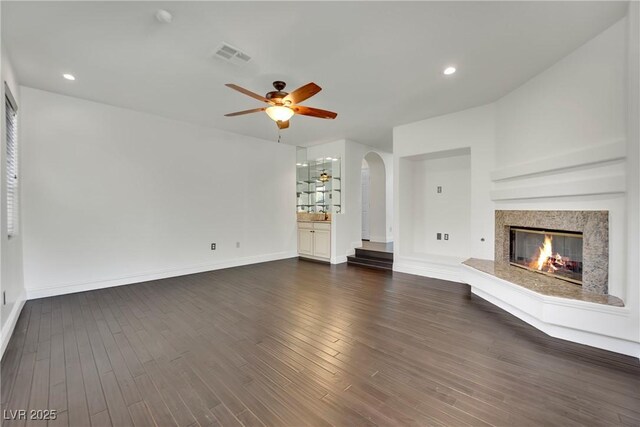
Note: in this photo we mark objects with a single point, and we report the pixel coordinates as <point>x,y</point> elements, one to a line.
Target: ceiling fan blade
<point>283,125</point>
<point>248,92</point>
<point>314,112</point>
<point>302,93</point>
<point>240,113</point>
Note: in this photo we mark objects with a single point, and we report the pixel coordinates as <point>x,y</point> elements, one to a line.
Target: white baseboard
<point>57,289</point>
<point>9,326</point>
<point>437,270</point>
<point>339,259</point>
<point>597,325</point>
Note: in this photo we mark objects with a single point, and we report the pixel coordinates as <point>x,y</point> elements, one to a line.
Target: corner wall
<point>633,159</point>
<point>113,196</point>
<point>565,140</point>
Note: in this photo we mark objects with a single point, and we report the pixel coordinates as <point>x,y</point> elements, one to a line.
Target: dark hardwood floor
<point>299,343</point>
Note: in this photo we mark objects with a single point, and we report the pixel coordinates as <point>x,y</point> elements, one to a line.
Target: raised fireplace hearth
<point>572,246</point>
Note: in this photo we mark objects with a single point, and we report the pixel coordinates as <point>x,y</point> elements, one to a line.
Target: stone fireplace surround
<point>594,226</point>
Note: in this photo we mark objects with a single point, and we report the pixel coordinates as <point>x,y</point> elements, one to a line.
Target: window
<point>11,117</point>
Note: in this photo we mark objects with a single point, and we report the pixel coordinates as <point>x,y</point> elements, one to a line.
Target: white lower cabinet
<point>314,240</point>
<point>305,241</point>
<point>322,243</point>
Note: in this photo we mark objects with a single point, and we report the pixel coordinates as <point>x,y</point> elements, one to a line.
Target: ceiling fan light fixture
<point>324,176</point>
<point>279,113</point>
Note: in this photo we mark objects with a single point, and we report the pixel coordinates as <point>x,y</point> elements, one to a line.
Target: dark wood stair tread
<point>373,254</point>
<point>370,262</point>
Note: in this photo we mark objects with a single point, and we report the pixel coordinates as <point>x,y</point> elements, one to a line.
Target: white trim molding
<point>589,156</point>
<point>438,267</point>
<point>340,259</point>
<point>614,184</point>
<point>62,289</point>
<point>12,320</point>
<point>380,239</point>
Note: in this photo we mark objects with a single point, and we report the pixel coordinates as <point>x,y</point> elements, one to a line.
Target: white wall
<point>447,212</point>
<point>113,196</point>
<point>366,184</point>
<point>11,280</point>
<point>377,197</point>
<point>575,111</point>
<point>578,102</point>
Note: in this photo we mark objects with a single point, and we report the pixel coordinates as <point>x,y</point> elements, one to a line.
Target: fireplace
<point>580,252</point>
<point>551,252</point>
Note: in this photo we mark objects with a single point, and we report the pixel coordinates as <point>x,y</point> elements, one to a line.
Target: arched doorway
<point>373,198</point>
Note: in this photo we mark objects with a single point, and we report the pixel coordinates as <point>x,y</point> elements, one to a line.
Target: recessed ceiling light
<point>449,70</point>
<point>304,164</point>
<point>298,164</point>
<point>328,158</point>
<point>69,76</point>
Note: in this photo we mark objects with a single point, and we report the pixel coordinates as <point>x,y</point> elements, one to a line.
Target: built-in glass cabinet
<point>319,186</point>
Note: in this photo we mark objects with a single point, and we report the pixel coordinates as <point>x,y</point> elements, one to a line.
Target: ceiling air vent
<point>231,54</point>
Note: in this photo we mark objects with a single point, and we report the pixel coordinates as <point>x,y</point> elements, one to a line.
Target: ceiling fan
<point>283,105</point>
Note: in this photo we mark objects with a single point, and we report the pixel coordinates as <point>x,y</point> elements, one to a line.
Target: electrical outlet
<point>439,189</point>
<point>237,244</point>
<point>446,236</point>
<point>213,246</point>
<point>438,236</point>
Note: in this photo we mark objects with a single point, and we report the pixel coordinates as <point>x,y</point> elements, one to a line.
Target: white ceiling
<point>379,63</point>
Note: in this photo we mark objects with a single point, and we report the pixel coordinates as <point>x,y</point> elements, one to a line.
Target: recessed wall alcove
<point>435,214</point>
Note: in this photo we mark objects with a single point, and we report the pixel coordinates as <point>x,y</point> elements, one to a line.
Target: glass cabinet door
<point>318,186</point>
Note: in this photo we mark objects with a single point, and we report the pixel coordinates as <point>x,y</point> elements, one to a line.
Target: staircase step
<point>370,262</point>
<point>371,254</point>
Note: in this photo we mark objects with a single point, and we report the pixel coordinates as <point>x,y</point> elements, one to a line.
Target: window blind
<point>11,117</point>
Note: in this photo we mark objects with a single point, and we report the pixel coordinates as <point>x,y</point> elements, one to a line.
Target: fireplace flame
<point>546,260</point>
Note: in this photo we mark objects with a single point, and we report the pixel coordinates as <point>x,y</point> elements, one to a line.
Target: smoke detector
<point>164,17</point>
<point>231,54</point>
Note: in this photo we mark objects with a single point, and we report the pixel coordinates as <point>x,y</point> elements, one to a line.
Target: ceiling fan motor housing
<point>278,93</point>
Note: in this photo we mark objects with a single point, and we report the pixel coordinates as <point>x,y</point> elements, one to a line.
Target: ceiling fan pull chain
<point>279,135</point>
